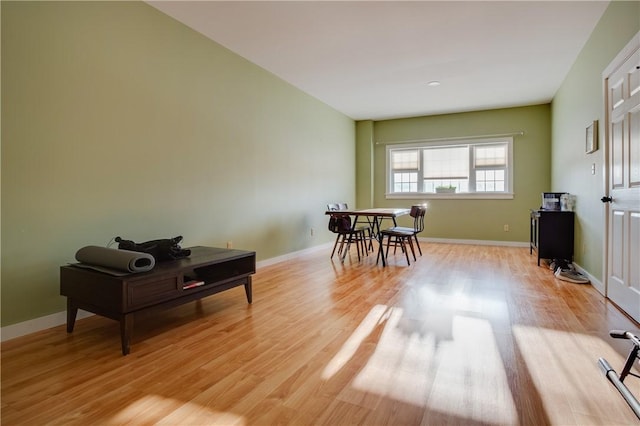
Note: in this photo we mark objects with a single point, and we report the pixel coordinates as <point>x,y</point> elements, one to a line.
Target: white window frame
<point>471,142</point>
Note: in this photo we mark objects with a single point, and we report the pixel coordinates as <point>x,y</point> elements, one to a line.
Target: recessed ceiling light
<point>433,83</point>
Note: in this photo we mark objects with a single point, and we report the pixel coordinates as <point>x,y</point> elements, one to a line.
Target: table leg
<point>248,290</point>
<point>381,254</point>
<point>72,312</point>
<point>380,238</point>
<point>126,327</point>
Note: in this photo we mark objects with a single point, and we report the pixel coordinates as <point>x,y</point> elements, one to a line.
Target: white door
<point>622,84</point>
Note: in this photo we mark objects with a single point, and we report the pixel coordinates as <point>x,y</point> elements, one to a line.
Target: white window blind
<point>405,160</point>
<point>491,155</point>
<point>446,163</point>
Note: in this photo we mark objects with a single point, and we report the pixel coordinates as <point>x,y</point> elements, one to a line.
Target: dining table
<point>374,217</point>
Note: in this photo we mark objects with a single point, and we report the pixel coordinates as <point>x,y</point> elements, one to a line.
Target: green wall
<point>470,219</point>
<point>118,120</point>
<point>578,102</point>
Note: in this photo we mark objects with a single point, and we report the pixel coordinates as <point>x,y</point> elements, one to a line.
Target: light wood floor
<point>469,335</point>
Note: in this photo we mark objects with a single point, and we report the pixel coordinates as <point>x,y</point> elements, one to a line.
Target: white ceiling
<point>373,59</point>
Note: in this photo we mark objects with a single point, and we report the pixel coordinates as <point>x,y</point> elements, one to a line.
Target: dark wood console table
<point>119,297</point>
<point>551,234</point>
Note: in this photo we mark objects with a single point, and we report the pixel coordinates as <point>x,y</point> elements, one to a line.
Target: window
<point>479,168</point>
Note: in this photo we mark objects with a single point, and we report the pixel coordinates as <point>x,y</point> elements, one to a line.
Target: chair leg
<point>357,244</point>
<point>348,247</point>
<point>413,252</point>
<point>386,255</point>
<point>396,243</point>
<point>404,249</point>
<point>344,248</point>
<point>343,242</point>
<point>363,243</point>
<point>368,237</point>
<point>418,243</point>
<point>356,237</point>
<point>334,246</point>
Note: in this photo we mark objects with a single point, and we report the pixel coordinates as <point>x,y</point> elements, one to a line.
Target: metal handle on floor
<point>616,380</point>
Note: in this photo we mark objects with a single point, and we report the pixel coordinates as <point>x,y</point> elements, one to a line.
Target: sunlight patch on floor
<point>350,347</point>
<point>398,367</point>
<point>444,362</point>
<point>154,409</point>
<point>470,380</point>
<point>559,377</point>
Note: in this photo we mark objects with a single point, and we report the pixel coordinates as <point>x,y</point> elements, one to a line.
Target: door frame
<point>622,56</point>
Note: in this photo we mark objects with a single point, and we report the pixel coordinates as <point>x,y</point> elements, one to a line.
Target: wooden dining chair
<point>346,232</point>
<point>365,226</point>
<point>401,236</point>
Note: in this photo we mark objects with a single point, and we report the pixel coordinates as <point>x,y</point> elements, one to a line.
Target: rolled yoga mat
<point>114,261</point>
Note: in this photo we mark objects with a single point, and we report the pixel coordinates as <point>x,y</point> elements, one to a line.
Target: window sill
<point>454,196</point>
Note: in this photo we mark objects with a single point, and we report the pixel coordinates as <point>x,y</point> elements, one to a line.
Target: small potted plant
<point>445,189</point>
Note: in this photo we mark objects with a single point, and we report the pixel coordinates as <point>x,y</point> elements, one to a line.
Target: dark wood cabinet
<point>119,297</point>
<point>551,234</point>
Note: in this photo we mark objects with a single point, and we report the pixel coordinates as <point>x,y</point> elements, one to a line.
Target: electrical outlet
<point>229,244</point>
<point>506,228</point>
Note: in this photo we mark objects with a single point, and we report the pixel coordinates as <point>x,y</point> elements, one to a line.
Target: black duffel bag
<point>162,250</point>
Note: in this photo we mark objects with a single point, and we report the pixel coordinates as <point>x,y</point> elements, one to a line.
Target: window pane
<point>446,162</point>
<point>490,180</point>
<point>404,159</point>
<point>491,155</point>
<point>405,182</point>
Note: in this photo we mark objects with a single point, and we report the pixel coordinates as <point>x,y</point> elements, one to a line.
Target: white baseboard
<point>596,283</point>
<point>477,242</point>
<point>38,324</point>
<point>54,320</point>
<point>292,255</point>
